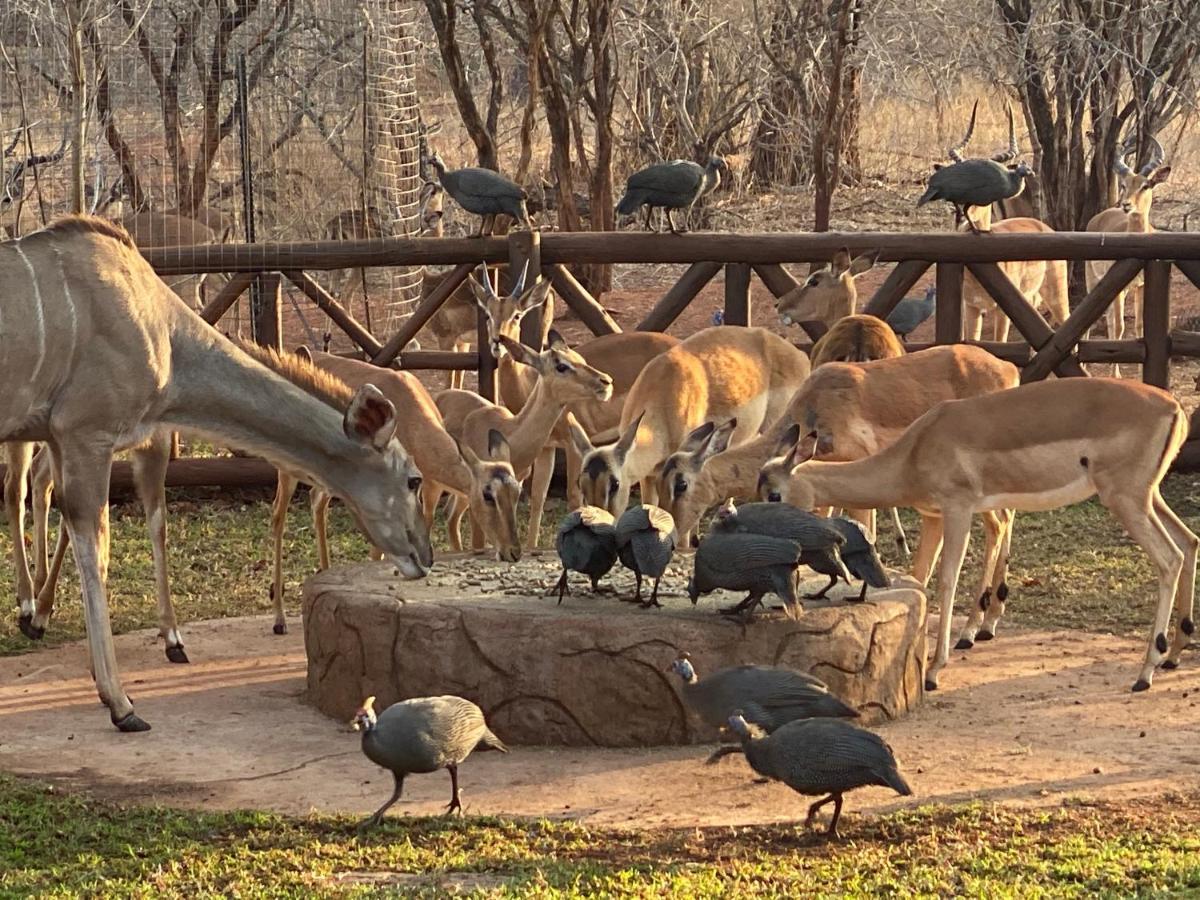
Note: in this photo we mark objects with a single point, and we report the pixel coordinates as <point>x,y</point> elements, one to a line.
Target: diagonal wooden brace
<point>422,314</point>
<point>898,283</point>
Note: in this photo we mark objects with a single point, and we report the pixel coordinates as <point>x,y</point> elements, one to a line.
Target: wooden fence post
<point>266,312</point>
<point>737,294</point>
<point>487,362</point>
<point>1156,318</point>
<point>525,252</point>
<point>948,316</point>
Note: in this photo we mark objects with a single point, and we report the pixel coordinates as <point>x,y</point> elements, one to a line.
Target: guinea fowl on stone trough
<point>767,696</point>
<point>758,563</point>
<point>586,543</point>
<point>484,193</point>
<point>422,735</point>
<point>673,185</point>
<point>645,545</point>
<point>818,756</point>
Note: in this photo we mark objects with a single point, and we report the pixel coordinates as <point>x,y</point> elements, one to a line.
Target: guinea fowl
<point>818,756</point>
<point>767,696</point>
<point>822,541</point>
<point>423,735</point>
<point>758,563</point>
<point>912,311</point>
<point>586,543</point>
<point>860,557</point>
<point>645,544</point>
<point>673,185</point>
<point>483,192</point>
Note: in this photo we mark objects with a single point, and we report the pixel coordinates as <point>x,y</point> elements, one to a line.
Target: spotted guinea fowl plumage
<point>587,543</point>
<point>645,544</point>
<point>742,561</point>
<point>423,735</point>
<point>767,696</point>
<point>818,756</point>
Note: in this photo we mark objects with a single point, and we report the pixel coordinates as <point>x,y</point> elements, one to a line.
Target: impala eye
<point>614,485</point>
<point>489,497</point>
<point>681,486</point>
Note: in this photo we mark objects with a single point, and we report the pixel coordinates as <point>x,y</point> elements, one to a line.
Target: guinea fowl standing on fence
<point>818,756</point>
<point>758,563</point>
<point>978,182</point>
<point>586,543</point>
<point>673,185</point>
<point>910,312</point>
<point>423,735</point>
<point>767,696</point>
<point>645,544</point>
<point>484,193</point>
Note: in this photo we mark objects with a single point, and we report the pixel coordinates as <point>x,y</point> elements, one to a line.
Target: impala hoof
<point>280,628</point>
<point>1141,685</point>
<point>930,685</point>
<point>985,635</point>
<point>25,623</point>
<point>176,655</point>
<point>1170,664</point>
<point>131,723</point>
<point>964,644</point>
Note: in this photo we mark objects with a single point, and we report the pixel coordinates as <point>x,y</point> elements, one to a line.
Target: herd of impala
<point>101,357</point>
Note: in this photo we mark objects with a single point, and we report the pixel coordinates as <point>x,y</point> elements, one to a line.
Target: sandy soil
<point>1031,718</point>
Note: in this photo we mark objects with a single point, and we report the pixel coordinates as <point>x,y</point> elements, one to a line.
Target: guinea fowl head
<point>364,719</point>
<point>693,593</point>
<point>682,666</point>
<point>745,730</point>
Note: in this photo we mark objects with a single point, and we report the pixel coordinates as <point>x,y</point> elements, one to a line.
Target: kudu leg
<point>43,489</point>
<point>82,479</point>
<point>285,489</point>
<point>150,476</point>
<point>16,489</point>
<point>956,527</point>
<point>539,487</point>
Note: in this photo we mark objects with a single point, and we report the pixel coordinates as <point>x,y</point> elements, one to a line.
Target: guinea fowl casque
<point>818,756</point>
<point>967,183</point>
<point>586,543</point>
<point>767,696</point>
<point>483,192</point>
<point>422,735</point>
<point>673,185</point>
<point>645,544</point>
<point>758,563</point>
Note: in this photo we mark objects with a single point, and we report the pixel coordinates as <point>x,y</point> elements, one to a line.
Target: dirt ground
<point>1031,718</point>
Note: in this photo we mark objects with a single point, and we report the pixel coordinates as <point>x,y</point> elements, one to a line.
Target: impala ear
<point>579,437</point>
<point>556,340</point>
<point>498,448</point>
<point>470,457</point>
<point>1161,174</point>
<point>519,351</point>
<point>863,263</point>
<point>304,353</point>
<point>625,441</point>
<point>698,438</point>
<point>840,262</point>
<point>719,442</point>
<point>788,440</point>
<point>535,296</point>
<point>370,418</point>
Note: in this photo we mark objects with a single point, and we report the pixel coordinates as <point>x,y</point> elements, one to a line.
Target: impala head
<point>602,480</point>
<point>1137,187</point>
<point>562,373</point>
<point>827,294</point>
<point>775,481</point>
<point>495,492</point>
<point>504,312</point>
<point>678,490</point>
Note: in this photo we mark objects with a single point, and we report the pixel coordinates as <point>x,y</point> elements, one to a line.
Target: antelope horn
<point>1157,155</point>
<point>519,287</point>
<point>1011,153</point>
<point>486,284</point>
<point>955,152</point>
<point>1119,164</point>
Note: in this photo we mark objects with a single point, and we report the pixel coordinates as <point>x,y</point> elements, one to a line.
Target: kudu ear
<point>519,351</point>
<point>579,437</point>
<point>698,437</point>
<point>625,441</point>
<point>304,353</point>
<point>863,263</point>
<point>788,440</point>
<point>498,448</point>
<point>370,418</point>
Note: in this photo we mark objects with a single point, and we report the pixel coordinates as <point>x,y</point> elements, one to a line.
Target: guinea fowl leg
<point>823,591</point>
<point>746,606</point>
<point>637,597</point>
<point>649,212</point>
<point>562,586</point>
<point>375,819</point>
<point>455,800</point>
<point>837,814</point>
<point>862,595</point>
<point>597,588</point>
<point>671,220</point>
<point>812,810</point>
<point>653,601</point>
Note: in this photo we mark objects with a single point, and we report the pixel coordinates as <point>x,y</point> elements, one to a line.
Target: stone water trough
<point>592,672</point>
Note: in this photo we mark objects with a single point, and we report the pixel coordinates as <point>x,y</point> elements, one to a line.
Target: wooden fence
<point>1043,350</point>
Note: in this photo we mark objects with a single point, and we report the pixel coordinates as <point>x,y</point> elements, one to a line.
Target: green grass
<point>56,845</point>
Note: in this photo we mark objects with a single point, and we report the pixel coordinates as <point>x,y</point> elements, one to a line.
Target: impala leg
<point>431,493</point>
<point>1185,540</point>
<point>574,469</point>
<point>1135,300</point>
<point>993,529</point>
<point>866,518</point>
<point>956,525</point>
<point>83,486</point>
<point>901,537</point>
<point>539,487</point>
<point>649,490</point>
<point>318,501</point>
<point>972,322</point>
<point>454,517</point>
<point>1116,324</point>
<point>929,546</point>
<point>150,476</point>
<point>999,585</point>
<point>285,489</point>
<point>1144,526</point>
<point>16,489</point>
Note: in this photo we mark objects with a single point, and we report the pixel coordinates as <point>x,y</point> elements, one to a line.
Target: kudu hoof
<point>131,723</point>
<point>964,644</point>
<point>930,685</point>
<point>280,628</point>
<point>176,655</point>
<point>985,636</point>
<point>25,623</point>
<point>1141,685</point>
<point>1170,664</point>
